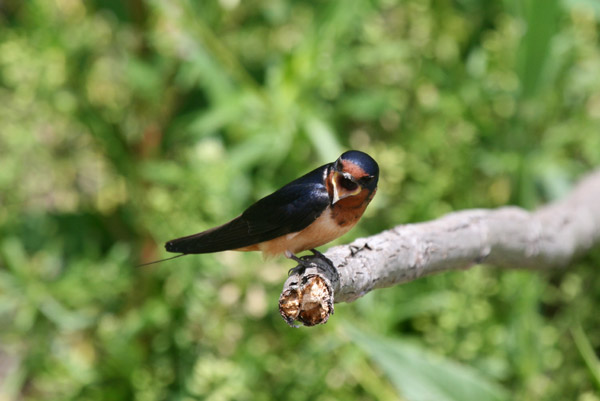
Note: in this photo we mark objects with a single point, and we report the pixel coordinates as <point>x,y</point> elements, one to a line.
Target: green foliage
<point>128,123</point>
<point>421,376</point>
<point>587,353</point>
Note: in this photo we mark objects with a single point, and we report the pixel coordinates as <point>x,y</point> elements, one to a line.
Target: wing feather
<point>288,210</point>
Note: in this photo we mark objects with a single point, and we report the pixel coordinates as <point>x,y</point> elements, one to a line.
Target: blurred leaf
<point>587,353</point>
<point>540,17</point>
<point>367,105</point>
<point>584,5</point>
<point>422,376</point>
<point>144,77</point>
<point>14,255</point>
<point>421,304</point>
<point>228,112</point>
<point>323,139</point>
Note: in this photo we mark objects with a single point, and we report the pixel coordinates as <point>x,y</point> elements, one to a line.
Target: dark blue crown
<point>362,160</point>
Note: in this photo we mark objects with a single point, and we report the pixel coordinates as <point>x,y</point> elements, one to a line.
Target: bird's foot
<point>317,253</point>
<point>302,264</point>
<point>290,255</point>
<point>356,249</point>
<point>298,269</point>
<point>317,260</point>
<point>296,259</point>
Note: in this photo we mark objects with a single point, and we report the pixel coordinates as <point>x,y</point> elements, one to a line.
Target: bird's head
<point>351,174</point>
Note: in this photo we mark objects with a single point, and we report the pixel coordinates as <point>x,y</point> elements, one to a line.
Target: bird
<point>310,211</point>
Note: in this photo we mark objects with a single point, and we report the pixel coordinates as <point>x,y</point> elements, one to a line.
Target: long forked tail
<point>162,260</point>
<point>232,235</point>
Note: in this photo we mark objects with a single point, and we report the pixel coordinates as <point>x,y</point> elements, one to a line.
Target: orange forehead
<point>354,170</point>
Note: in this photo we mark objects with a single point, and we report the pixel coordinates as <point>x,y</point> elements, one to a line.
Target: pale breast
<point>324,229</point>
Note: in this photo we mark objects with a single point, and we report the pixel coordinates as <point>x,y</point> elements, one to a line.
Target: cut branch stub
<point>308,292</point>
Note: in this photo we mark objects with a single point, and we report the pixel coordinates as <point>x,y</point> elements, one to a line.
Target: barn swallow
<point>302,215</point>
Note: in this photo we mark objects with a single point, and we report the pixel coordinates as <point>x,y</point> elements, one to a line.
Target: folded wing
<point>288,210</point>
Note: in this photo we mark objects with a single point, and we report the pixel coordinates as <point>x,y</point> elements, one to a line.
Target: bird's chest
<point>324,229</point>
<point>334,222</point>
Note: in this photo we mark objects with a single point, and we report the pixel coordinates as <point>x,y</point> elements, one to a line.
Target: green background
<point>124,124</point>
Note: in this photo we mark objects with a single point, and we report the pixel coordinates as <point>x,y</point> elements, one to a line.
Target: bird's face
<point>351,174</point>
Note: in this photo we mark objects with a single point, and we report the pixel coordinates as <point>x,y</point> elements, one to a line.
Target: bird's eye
<point>348,184</point>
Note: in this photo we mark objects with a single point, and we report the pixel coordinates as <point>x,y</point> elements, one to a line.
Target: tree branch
<point>508,237</point>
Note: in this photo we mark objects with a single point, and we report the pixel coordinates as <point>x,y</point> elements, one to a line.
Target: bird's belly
<point>323,230</point>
